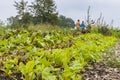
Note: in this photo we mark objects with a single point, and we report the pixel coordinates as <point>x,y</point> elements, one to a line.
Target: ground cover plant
<point>49,55</point>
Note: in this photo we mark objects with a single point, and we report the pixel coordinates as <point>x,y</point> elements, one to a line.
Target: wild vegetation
<point>49,55</point>
<point>37,44</point>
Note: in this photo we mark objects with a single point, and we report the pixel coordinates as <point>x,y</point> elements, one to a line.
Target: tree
<point>66,22</point>
<point>21,7</point>
<point>14,22</point>
<point>1,23</point>
<point>45,11</point>
<point>24,17</point>
<point>70,22</point>
<point>40,11</point>
<point>62,21</point>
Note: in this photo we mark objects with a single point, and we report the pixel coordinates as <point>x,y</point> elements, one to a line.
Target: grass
<point>43,27</point>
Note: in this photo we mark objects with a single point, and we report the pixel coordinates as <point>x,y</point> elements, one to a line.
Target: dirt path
<point>109,69</point>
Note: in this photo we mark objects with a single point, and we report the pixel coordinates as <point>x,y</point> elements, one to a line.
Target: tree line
<point>39,11</point>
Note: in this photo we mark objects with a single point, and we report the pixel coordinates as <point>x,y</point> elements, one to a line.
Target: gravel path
<point>109,69</point>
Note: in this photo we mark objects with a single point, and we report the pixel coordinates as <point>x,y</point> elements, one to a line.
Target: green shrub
<point>94,29</point>
<point>88,28</point>
<point>116,33</point>
<point>104,30</point>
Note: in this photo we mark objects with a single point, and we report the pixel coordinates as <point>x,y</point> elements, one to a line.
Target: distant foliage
<point>13,22</point>
<point>23,18</point>
<point>39,11</point>
<point>44,11</point>
<point>66,22</point>
<point>104,30</point>
<point>2,27</point>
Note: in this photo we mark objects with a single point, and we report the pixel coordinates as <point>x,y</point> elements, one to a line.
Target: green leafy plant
<point>50,55</point>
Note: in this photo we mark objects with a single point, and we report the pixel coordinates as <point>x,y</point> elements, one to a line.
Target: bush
<point>105,30</point>
<point>94,29</point>
<point>88,28</point>
<point>116,33</point>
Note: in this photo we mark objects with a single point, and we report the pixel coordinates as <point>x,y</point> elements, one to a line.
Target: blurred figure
<point>92,23</point>
<point>77,25</point>
<point>82,25</point>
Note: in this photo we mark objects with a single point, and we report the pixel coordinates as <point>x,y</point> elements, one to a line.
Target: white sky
<point>76,9</point>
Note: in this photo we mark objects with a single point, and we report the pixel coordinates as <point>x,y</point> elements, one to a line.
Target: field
<point>49,55</point>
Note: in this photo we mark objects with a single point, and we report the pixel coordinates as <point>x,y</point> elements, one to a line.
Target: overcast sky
<point>75,9</point>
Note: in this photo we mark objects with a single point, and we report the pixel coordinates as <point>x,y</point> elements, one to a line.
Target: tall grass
<point>43,27</point>
<point>106,30</point>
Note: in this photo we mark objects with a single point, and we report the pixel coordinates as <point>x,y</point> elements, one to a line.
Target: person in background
<point>92,23</point>
<point>82,25</point>
<point>77,25</point>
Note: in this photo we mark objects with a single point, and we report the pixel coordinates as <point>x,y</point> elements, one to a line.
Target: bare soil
<point>108,69</point>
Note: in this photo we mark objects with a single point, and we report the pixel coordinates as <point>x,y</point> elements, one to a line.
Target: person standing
<point>77,25</point>
<point>92,23</point>
<point>82,25</point>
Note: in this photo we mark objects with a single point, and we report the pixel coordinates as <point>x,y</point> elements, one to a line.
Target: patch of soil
<point>15,76</point>
<point>103,71</point>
